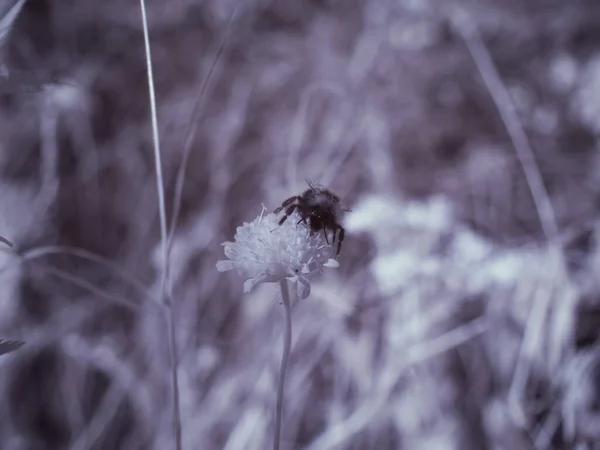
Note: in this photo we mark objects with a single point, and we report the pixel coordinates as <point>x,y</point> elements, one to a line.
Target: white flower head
<point>264,251</point>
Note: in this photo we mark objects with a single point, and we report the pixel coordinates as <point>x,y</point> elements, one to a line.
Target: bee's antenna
<point>313,185</point>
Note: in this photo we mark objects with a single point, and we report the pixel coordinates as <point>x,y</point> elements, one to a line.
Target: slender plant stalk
<point>164,241</point>
<point>541,199</point>
<point>6,241</point>
<point>8,346</point>
<point>192,128</point>
<point>287,346</point>
<point>523,149</point>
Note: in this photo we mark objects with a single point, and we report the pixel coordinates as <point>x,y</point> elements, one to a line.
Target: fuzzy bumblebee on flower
<point>293,246</point>
<point>293,243</point>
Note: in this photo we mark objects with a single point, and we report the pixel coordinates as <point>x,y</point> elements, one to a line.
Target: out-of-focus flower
<point>264,251</point>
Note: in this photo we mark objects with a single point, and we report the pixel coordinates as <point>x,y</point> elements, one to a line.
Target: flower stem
<point>287,346</point>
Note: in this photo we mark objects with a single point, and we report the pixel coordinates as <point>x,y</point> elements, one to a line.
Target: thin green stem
<point>287,347</point>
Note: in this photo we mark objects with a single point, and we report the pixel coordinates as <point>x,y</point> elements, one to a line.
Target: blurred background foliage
<point>465,313</point>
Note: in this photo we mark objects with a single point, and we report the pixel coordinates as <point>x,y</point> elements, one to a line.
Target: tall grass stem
<point>163,235</point>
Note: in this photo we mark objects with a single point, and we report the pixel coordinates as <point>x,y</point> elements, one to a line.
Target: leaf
<point>8,346</point>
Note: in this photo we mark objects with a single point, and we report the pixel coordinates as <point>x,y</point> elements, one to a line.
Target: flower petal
<point>225,265</point>
<point>250,284</point>
<point>229,251</point>
<point>331,263</point>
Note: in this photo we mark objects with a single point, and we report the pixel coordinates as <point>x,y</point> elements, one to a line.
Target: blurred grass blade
<point>6,22</point>
<point>9,19</point>
<point>8,346</point>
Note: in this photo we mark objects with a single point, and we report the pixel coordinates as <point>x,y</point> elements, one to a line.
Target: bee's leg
<point>341,235</point>
<point>303,220</point>
<point>288,212</point>
<point>325,233</point>
<point>286,203</point>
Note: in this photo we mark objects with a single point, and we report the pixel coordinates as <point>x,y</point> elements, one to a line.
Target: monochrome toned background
<point>463,134</point>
